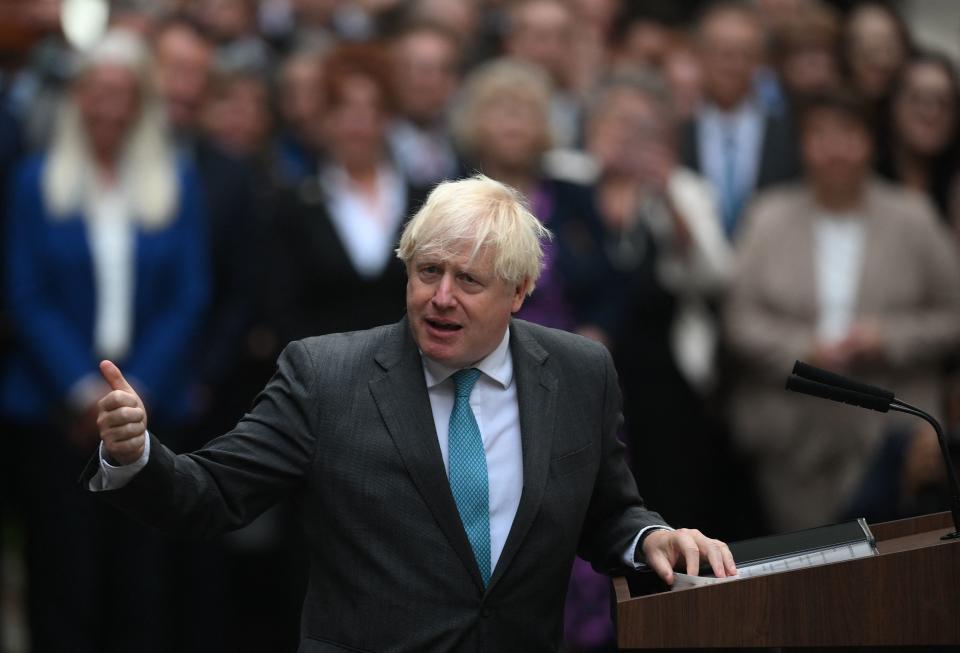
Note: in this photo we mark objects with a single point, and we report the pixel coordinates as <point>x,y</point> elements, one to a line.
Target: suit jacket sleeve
<point>50,338</point>
<point>617,512</point>
<point>237,476</point>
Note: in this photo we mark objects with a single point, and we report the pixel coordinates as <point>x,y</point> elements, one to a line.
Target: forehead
<point>463,256</point>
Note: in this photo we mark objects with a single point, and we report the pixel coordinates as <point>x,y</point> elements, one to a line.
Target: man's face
<point>182,71</point>
<point>731,49</point>
<point>542,35</point>
<point>426,75</point>
<point>459,309</point>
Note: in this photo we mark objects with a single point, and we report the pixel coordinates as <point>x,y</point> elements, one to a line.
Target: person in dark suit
<point>734,140</point>
<point>335,231</point>
<point>447,467</point>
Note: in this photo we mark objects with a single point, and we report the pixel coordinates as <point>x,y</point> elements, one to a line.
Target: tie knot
<point>464,380</point>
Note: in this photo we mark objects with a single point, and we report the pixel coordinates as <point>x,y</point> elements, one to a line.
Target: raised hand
<point>122,419</point>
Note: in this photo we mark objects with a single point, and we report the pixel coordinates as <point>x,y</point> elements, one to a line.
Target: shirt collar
<point>748,108</point>
<point>497,365</point>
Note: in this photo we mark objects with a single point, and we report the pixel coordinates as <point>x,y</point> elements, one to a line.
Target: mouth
<point>439,324</point>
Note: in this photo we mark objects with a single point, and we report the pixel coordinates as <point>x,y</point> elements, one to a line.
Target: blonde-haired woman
<point>502,128</point>
<point>105,259</point>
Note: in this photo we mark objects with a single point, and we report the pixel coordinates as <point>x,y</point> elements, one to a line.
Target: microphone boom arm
<point>904,407</point>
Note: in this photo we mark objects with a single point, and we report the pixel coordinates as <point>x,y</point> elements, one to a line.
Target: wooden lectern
<point>908,595</point>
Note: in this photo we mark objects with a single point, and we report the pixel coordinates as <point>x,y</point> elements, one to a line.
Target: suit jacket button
<point>486,613</point>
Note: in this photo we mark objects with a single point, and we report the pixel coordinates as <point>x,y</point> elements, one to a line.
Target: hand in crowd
<point>655,163</point>
<point>122,419</point>
<point>864,343</point>
<point>664,550</point>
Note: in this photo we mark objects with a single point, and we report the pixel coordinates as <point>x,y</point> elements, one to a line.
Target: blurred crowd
<point>731,186</point>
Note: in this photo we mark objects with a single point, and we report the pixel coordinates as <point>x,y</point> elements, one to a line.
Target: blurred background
<point>189,185</point>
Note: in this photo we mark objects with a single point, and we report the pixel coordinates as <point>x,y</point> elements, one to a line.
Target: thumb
<point>111,374</point>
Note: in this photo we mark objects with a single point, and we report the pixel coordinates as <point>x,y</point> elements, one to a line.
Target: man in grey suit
<point>447,468</point>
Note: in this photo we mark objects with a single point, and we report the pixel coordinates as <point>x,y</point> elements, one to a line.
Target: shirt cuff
<point>114,477</point>
<point>630,555</point>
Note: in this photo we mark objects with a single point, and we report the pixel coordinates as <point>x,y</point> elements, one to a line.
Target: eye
<point>429,272</point>
<point>469,282</point>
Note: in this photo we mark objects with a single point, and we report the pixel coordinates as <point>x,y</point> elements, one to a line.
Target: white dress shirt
<point>111,236</point>
<point>368,231</point>
<point>494,404</point>
<point>839,243</point>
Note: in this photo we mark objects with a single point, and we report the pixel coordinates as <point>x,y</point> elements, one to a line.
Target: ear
<point>519,294</point>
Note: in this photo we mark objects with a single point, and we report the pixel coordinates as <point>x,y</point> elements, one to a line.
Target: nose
<point>443,296</point>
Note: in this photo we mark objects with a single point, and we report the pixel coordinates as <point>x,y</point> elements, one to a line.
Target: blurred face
<point>925,111</point>
<point>543,34</point>
<point>458,16</point>
<point>227,20</point>
<point>810,70</point>
<point>356,125</point>
<point>511,133</point>
<point>239,117</point>
<point>875,50</point>
<point>459,309</point>
<point>646,43</point>
<point>426,75</point>
<point>108,97</point>
<point>731,49</point>
<point>301,97</point>
<point>836,151</point>
<point>182,74</point>
<point>628,134</point>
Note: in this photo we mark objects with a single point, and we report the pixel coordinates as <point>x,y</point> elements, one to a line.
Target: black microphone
<point>813,381</point>
<point>834,393</point>
<point>829,378</point>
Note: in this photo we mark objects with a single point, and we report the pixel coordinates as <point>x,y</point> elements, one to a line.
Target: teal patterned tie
<point>468,471</point>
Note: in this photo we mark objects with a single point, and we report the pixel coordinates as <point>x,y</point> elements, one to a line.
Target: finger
<point>728,562</point>
<point>120,416</point>
<point>714,557</point>
<point>121,433</point>
<point>127,450</point>
<point>657,560</point>
<point>112,375</point>
<point>118,399</point>
<point>691,553</point>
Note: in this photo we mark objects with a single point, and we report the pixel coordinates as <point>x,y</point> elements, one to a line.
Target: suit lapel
<point>404,405</point>
<point>536,396</point>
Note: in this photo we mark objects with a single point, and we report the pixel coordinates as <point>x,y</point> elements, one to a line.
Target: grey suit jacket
<point>345,427</point>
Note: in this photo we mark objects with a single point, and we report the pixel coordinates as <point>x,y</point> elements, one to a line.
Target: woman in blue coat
<point>104,258</point>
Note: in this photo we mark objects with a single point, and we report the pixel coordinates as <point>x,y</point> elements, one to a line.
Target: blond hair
<point>478,213</point>
<point>504,78</point>
<point>147,165</point>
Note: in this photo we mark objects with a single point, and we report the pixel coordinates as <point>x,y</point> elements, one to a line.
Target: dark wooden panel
<point>907,595</point>
<point>901,527</point>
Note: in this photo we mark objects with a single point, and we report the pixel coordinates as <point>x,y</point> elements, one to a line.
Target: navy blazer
<point>52,301</point>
